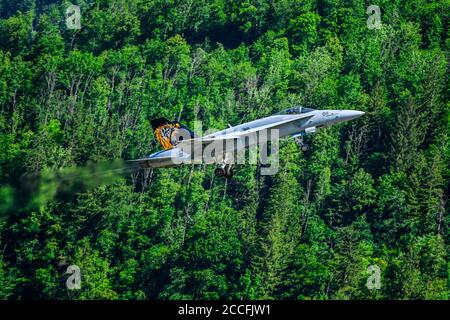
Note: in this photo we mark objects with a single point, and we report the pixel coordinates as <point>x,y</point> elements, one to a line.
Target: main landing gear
<point>225,171</point>
<point>303,146</point>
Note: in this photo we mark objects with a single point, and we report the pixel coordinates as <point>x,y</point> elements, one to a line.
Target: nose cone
<point>346,115</point>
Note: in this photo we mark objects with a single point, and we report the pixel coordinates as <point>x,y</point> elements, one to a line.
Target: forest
<point>371,194</point>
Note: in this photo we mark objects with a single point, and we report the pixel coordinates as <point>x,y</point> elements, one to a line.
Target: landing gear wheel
<point>219,172</point>
<point>305,147</point>
<point>228,173</point>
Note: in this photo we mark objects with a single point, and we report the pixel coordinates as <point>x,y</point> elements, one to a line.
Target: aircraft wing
<point>239,134</point>
<point>206,141</point>
<point>165,158</point>
<point>273,125</point>
<point>148,162</point>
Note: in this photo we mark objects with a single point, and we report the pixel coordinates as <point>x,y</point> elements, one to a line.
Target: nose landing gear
<point>303,146</point>
<point>225,171</point>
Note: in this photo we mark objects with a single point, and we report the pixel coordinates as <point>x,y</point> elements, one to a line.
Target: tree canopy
<point>371,192</point>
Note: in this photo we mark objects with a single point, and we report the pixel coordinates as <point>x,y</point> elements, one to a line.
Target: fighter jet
<point>182,146</point>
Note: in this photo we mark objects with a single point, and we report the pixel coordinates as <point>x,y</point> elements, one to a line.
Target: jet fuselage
<point>292,122</point>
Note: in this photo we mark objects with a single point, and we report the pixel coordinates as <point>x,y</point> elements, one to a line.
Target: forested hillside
<point>370,192</point>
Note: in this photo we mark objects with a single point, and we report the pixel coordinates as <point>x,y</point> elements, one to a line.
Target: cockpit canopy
<point>295,110</point>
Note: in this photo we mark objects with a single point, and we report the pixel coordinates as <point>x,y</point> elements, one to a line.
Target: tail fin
<point>170,133</point>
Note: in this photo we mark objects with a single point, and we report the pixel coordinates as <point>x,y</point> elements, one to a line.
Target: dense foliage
<point>373,191</point>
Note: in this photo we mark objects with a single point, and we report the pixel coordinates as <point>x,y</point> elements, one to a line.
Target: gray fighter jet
<point>182,146</point>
